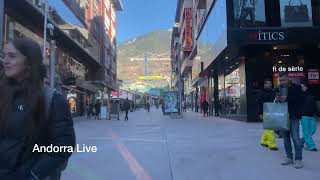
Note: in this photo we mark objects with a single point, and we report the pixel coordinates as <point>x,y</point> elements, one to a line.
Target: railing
<point>201,4</point>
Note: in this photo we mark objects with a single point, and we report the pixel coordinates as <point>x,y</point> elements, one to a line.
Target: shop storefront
<point>253,44</point>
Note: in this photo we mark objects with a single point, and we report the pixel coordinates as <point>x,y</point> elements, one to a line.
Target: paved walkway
<point>153,147</point>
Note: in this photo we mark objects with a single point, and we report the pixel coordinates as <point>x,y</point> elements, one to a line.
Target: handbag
<point>276,116</point>
<point>298,13</point>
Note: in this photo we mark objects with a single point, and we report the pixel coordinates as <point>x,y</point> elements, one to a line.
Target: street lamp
<point>45,3</point>
<point>50,27</point>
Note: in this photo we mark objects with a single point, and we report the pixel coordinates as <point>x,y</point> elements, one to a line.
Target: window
<point>249,13</point>
<point>296,13</point>
<point>232,92</point>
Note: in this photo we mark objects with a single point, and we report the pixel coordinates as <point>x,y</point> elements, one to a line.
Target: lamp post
<point>45,3</point>
<point>1,23</point>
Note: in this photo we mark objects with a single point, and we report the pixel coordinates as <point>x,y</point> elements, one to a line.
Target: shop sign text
<point>313,76</point>
<point>293,71</point>
<point>267,36</point>
<point>188,39</point>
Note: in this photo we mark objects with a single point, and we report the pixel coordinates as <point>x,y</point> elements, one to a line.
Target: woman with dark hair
<point>24,123</point>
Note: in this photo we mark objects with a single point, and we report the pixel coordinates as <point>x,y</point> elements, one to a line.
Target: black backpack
<point>48,94</point>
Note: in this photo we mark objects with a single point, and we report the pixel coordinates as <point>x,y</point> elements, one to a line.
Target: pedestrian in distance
<point>292,94</point>
<point>184,106</point>
<point>31,115</point>
<point>148,106</point>
<point>88,110</point>
<point>267,94</point>
<point>163,107</point>
<point>205,108</point>
<point>97,108</point>
<point>91,110</point>
<point>308,121</point>
<point>126,108</point>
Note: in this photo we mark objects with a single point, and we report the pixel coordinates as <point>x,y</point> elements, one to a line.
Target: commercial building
<point>241,42</point>
<point>81,63</point>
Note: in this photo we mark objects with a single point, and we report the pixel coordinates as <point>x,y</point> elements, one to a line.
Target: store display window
<point>296,13</point>
<point>232,92</point>
<point>249,13</point>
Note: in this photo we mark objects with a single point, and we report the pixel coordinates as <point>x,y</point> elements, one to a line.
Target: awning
<point>73,89</point>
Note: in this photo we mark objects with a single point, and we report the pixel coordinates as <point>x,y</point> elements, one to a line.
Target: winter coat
<point>16,156</point>
<point>205,105</point>
<point>126,105</point>
<point>309,107</point>
<point>265,95</point>
<point>294,100</point>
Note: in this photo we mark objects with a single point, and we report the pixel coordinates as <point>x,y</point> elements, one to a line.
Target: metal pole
<point>1,22</point>
<point>45,28</point>
<point>180,86</point>
<point>145,64</point>
<point>118,93</point>
<point>52,63</point>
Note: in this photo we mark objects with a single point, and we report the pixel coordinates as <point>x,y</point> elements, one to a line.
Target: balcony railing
<point>201,4</point>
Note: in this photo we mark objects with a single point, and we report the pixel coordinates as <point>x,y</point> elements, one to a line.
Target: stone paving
<point>151,146</point>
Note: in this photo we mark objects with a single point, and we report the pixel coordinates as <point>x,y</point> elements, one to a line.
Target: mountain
<point>131,54</point>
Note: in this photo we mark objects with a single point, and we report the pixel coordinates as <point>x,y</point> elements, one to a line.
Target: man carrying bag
<point>267,94</point>
<point>290,97</point>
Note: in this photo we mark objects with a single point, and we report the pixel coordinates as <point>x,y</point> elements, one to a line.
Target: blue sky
<point>137,18</point>
<point>143,16</point>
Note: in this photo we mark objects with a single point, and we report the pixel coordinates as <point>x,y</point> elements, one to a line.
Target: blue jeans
<point>294,134</point>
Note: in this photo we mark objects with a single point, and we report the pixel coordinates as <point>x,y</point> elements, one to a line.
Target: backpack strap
<point>48,94</point>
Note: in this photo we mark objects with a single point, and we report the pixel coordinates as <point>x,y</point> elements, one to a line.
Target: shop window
<point>232,92</point>
<point>221,95</point>
<point>296,13</point>
<point>249,13</point>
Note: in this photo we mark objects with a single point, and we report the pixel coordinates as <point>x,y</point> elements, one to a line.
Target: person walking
<point>267,94</point>
<point>31,115</point>
<point>163,107</point>
<point>97,108</point>
<point>126,108</point>
<point>292,94</point>
<point>308,121</point>
<point>205,108</point>
<point>148,106</point>
<point>91,110</point>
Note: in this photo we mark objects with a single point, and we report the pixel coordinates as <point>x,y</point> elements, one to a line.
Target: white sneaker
<point>298,164</point>
<point>287,161</point>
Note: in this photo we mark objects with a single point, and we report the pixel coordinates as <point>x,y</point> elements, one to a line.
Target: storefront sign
<point>188,31</point>
<point>293,71</point>
<point>267,36</point>
<point>116,93</point>
<point>313,76</point>
<point>72,101</point>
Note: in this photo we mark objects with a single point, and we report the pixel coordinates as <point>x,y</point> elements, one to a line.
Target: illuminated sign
<point>313,76</point>
<point>188,31</point>
<point>267,35</point>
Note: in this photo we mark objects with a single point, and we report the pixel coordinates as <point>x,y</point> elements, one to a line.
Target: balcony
<point>118,5</point>
<point>186,65</point>
<point>201,4</point>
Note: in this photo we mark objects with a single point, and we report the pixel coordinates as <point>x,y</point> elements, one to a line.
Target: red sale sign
<point>313,76</point>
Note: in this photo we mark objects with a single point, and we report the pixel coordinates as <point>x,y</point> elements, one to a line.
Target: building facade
<point>240,43</point>
<point>79,61</point>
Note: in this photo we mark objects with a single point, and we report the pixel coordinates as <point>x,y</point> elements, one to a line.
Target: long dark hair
<point>31,86</point>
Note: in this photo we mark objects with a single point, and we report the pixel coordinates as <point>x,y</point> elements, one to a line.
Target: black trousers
<point>126,118</point>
